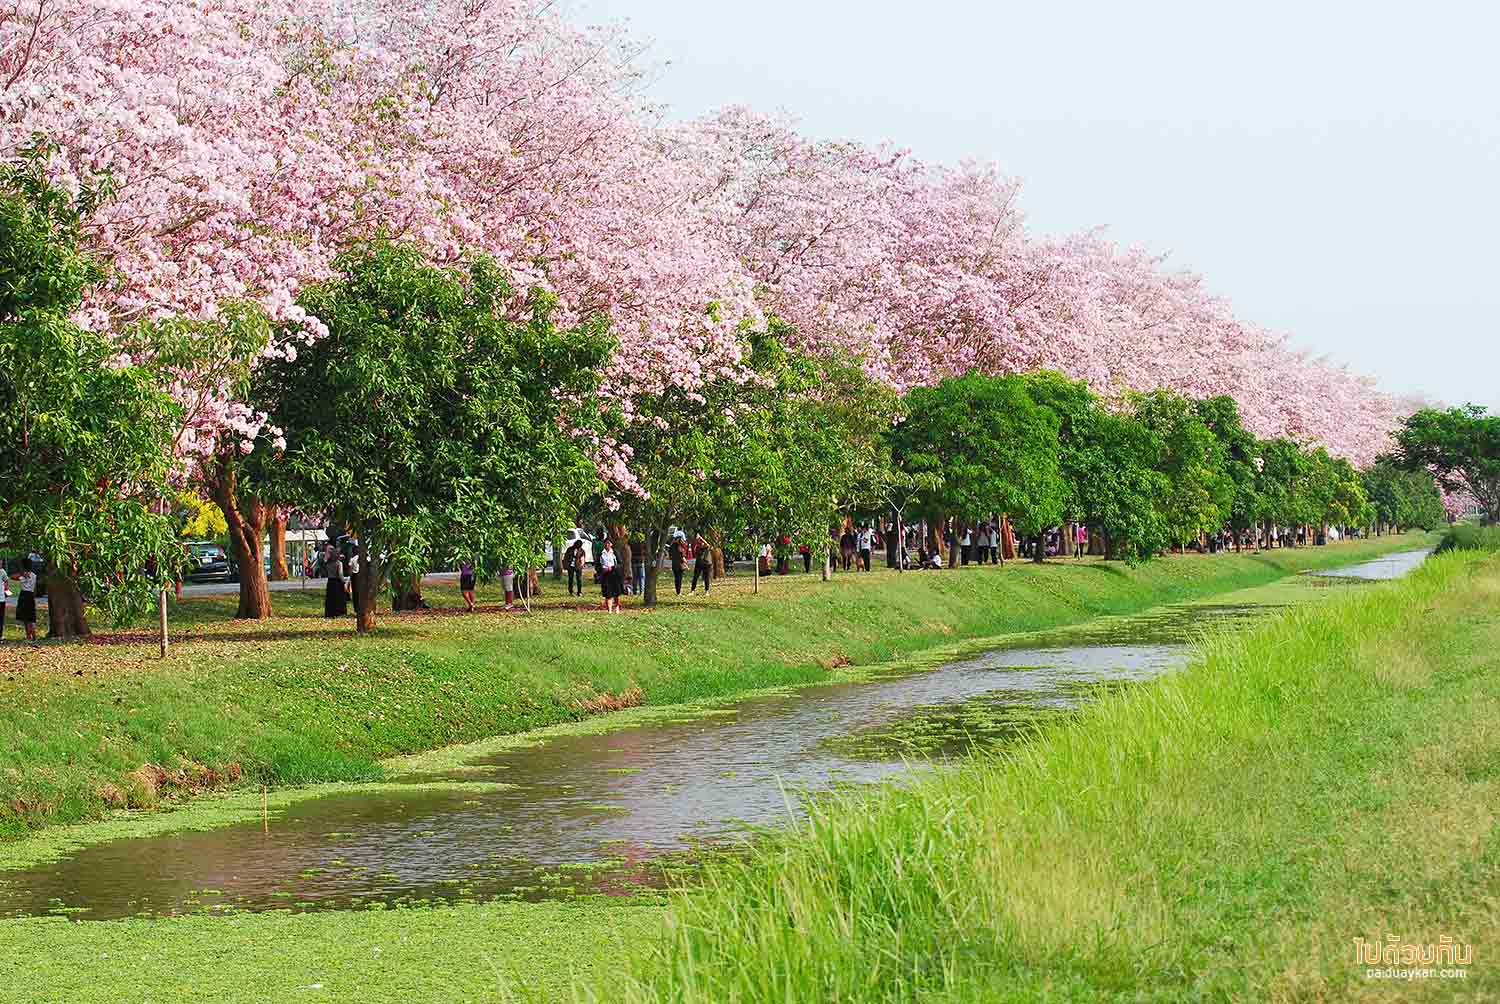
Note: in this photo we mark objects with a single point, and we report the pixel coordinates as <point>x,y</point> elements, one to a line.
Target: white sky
<point>1332,167</point>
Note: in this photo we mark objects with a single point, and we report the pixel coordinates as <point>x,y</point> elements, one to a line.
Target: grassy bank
<point>1470,537</point>
<point>1220,834</point>
<point>297,699</point>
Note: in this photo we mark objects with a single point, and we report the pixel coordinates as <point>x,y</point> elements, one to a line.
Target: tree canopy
<point>427,421</point>
<point>84,435</point>
<point>1461,446</point>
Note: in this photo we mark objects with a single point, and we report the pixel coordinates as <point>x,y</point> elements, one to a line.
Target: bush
<point>1470,537</point>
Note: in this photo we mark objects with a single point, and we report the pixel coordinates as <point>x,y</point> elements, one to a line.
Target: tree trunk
<point>621,536</point>
<point>279,571</point>
<point>1039,553</point>
<point>364,582</point>
<point>246,518</point>
<point>956,551</point>
<point>557,549</point>
<point>653,571</point>
<point>406,592</point>
<point>66,617</point>
<point>716,552</point>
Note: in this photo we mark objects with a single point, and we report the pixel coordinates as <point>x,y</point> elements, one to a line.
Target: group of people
<point>24,586</point>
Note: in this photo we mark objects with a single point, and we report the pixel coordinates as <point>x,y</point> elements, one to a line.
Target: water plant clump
<point>947,732</point>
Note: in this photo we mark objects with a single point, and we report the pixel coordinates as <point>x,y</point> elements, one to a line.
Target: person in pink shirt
<point>1081,540</point>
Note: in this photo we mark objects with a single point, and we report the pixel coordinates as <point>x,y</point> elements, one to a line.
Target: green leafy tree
<point>85,440</point>
<point>1117,487</point>
<point>427,420</point>
<point>1201,494</point>
<point>1401,498</point>
<point>808,445</point>
<point>1281,485</point>
<point>1461,446</point>
<point>227,347</point>
<point>1240,451</point>
<point>992,448</point>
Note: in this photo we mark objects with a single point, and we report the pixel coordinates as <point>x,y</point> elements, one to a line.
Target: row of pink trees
<point>241,145</point>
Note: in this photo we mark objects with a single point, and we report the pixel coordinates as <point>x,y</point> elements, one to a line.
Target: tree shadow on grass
<point>1111,568</point>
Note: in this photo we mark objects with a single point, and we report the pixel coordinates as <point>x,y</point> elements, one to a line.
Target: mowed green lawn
<point>298,699</point>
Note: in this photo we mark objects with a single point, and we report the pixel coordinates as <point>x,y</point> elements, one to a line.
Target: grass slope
<point>297,699</point>
<point>1221,834</point>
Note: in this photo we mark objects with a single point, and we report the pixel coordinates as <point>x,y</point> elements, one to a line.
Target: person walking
<point>1080,540</point>
<point>4,595</point>
<point>806,553</point>
<point>702,564</point>
<point>335,596</point>
<point>866,542</point>
<point>611,582</point>
<point>466,582</point>
<point>846,547</point>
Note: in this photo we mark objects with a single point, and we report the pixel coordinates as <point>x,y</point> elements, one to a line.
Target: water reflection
<point>1392,566</point>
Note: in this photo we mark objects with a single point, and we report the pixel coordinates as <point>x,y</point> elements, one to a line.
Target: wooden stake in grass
<point>162,609</point>
<point>265,813</point>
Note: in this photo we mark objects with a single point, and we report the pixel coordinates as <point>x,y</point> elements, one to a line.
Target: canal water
<point>617,813</point>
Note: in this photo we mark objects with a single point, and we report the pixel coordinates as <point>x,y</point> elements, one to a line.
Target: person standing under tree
<point>573,563</point>
<point>702,563</point>
<point>4,595</point>
<point>1081,538</point>
<point>611,581</point>
<point>466,582</point>
<point>26,599</point>
<point>638,566</point>
<point>678,551</point>
<point>335,598</point>
<point>866,542</point>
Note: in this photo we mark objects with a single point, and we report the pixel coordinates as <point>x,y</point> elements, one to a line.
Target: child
<point>26,601</point>
<point>466,582</point>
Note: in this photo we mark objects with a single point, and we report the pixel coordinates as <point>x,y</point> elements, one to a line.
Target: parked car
<point>569,537</point>
<point>207,562</point>
<point>234,566</point>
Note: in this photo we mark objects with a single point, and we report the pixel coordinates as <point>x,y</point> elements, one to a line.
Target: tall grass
<point>1153,848</point>
<point>1470,537</point>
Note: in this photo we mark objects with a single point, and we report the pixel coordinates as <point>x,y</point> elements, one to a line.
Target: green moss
<point>494,952</point>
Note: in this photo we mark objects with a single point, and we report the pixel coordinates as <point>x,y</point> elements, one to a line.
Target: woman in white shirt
<point>611,581</point>
<point>26,600</point>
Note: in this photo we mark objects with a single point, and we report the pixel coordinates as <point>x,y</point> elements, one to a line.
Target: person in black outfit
<point>335,597</point>
<point>679,552</point>
<point>573,562</point>
<point>701,564</point>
